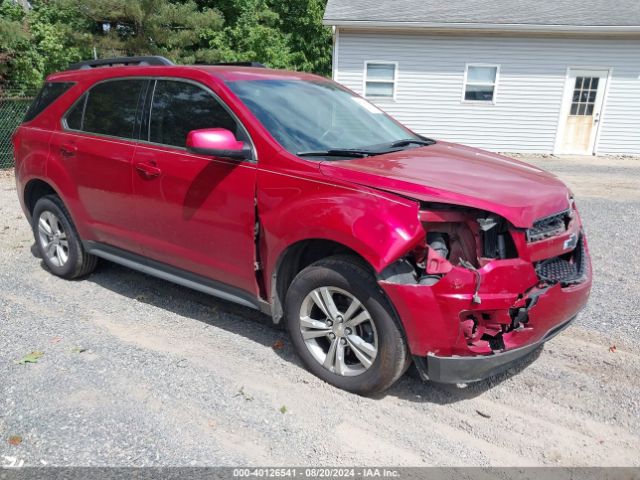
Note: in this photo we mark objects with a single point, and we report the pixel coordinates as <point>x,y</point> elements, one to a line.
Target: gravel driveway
<point>137,371</point>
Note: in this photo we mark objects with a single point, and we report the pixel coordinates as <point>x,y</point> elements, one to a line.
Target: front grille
<point>568,269</point>
<point>549,226</point>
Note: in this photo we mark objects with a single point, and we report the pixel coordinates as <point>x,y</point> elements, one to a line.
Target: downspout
<point>334,57</point>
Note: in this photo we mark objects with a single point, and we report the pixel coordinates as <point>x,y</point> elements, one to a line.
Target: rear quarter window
<point>48,94</point>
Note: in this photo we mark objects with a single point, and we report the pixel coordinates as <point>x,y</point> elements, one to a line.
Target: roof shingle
<point>576,13</point>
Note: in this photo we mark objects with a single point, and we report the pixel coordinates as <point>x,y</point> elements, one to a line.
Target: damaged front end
<point>479,292</point>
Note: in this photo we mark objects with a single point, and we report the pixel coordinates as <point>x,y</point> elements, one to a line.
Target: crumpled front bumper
<point>473,369</point>
<point>434,318</point>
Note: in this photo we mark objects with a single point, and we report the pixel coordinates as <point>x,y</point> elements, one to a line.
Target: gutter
<point>505,27</point>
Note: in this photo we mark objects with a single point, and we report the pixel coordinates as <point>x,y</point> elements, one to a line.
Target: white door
<point>582,108</point>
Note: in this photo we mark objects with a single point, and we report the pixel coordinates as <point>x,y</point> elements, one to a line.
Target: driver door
<point>194,212</point>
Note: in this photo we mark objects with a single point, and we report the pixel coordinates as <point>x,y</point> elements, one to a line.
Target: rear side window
<point>180,107</point>
<point>47,95</point>
<point>109,108</point>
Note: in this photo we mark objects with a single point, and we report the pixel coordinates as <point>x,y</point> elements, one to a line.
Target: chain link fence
<point>13,106</point>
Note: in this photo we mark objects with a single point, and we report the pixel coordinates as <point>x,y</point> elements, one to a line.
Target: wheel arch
<point>36,187</point>
<point>34,190</point>
<point>297,257</point>
<point>353,277</point>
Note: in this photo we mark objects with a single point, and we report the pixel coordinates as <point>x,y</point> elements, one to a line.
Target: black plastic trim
<point>142,101</point>
<point>176,275</point>
<point>475,368</point>
<point>540,229</point>
<point>242,154</point>
<point>155,60</point>
<point>239,64</point>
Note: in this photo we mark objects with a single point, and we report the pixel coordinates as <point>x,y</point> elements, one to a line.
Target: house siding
<point>529,93</point>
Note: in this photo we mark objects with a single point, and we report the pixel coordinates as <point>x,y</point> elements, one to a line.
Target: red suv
<point>288,193</point>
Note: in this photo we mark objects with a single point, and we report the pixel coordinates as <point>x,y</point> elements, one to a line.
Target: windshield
<point>316,117</point>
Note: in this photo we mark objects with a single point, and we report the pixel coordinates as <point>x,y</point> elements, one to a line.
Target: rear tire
<point>57,240</point>
<point>343,327</point>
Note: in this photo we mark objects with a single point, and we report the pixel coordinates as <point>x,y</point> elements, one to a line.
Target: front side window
<point>306,116</point>
<point>480,83</point>
<point>179,107</point>
<point>380,80</point>
<point>109,109</point>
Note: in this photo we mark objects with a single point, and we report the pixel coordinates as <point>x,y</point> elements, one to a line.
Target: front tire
<point>57,240</point>
<point>343,328</point>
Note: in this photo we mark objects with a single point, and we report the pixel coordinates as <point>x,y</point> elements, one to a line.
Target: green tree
<point>255,35</point>
<point>279,33</point>
<point>178,30</point>
<point>14,43</point>
<point>59,33</point>
<point>53,33</point>
<point>230,9</point>
<point>302,23</point>
<point>38,41</point>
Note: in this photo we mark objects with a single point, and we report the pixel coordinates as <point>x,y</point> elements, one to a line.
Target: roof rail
<point>241,64</point>
<point>111,62</point>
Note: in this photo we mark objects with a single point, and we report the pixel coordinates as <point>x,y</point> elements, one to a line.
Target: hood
<point>459,175</point>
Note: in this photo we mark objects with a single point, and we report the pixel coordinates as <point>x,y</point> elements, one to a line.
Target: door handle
<point>68,150</point>
<point>148,170</point>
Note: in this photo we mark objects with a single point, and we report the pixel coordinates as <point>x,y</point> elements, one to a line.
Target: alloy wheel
<point>53,239</point>
<point>338,331</point>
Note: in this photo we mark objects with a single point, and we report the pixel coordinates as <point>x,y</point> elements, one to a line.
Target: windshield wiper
<point>336,152</point>
<point>373,150</point>
<point>411,141</point>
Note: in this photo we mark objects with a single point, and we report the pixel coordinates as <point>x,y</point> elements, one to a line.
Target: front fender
<point>378,226</point>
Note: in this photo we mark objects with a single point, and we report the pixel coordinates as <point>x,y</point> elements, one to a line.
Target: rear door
<point>195,212</point>
<point>95,148</point>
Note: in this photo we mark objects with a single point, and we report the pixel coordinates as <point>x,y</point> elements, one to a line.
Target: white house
<point>545,76</point>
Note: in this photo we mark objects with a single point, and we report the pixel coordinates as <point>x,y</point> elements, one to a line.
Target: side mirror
<point>217,142</point>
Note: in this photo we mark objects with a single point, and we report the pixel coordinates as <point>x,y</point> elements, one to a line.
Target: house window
<point>480,83</point>
<point>380,79</point>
